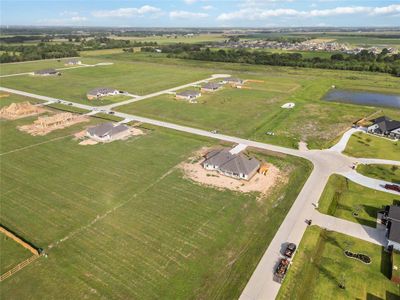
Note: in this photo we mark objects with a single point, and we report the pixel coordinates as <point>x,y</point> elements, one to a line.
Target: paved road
<point>325,162</point>
<point>341,145</point>
<point>139,98</point>
<point>369,182</point>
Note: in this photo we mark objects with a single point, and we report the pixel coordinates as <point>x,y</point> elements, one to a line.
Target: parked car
<point>393,187</point>
<point>214,131</point>
<point>70,104</point>
<point>290,249</point>
<point>281,270</point>
<point>111,112</point>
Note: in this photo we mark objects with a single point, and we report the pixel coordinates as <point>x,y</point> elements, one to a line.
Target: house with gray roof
<point>101,92</point>
<point>392,217</point>
<point>108,132</point>
<point>73,62</point>
<point>189,95</point>
<point>211,87</point>
<point>236,166</point>
<point>46,72</point>
<point>232,80</point>
<point>386,127</point>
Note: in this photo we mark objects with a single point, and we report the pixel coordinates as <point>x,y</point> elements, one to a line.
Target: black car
<point>290,249</point>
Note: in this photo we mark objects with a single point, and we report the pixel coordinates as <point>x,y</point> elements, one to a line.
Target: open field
<point>342,197</point>
<point>366,145</point>
<point>258,110</point>
<point>30,66</point>
<point>130,225</point>
<point>320,265</point>
<point>136,78</point>
<point>384,172</point>
<point>13,98</point>
<point>162,40</point>
<point>11,253</point>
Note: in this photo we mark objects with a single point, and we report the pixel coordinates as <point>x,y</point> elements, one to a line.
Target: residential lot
<point>135,78</point>
<point>130,224</point>
<point>343,198</point>
<point>257,110</point>
<point>320,266</point>
<point>367,145</point>
<point>248,113</point>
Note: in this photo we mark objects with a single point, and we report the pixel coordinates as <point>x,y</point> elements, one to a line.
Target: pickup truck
<point>281,270</point>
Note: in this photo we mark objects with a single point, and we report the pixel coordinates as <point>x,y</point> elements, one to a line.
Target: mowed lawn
<point>233,111</point>
<point>120,220</point>
<point>317,122</point>
<point>367,145</point>
<point>320,265</point>
<point>136,78</point>
<point>342,198</point>
<point>383,172</point>
<point>15,68</point>
<point>11,253</point>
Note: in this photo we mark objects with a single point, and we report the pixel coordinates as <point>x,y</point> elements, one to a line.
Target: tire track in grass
<point>98,218</point>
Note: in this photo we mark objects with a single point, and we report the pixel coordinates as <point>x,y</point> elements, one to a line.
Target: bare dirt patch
<point>259,183</point>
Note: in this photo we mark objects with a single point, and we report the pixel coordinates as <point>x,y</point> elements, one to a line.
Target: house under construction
<point>20,110</point>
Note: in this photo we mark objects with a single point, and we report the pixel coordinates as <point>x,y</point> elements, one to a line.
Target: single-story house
<point>73,62</point>
<point>191,96</point>
<point>386,127</point>
<point>108,132</point>
<point>101,92</point>
<point>392,216</point>
<point>47,72</point>
<point>211,87</point>
<point>232,81</point>
<point>236,166</point>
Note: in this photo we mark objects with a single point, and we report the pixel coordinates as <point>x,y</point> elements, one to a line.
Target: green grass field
<point>384,172</point>
<point>13,98</point>
<point>341,198</point>
<point>320,265</point>
<point>136,78</point>
<point>366,145</point>
<point>257,111</point>
<point>120,221</point>
<point>11,253</point>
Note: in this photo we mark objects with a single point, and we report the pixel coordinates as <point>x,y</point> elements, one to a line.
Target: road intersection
<point>325,162</point>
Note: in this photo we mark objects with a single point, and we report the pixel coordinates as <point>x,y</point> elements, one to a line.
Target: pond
<point>363,98</point>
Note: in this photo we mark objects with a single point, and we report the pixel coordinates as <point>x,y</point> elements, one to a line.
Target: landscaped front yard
<point>320,266</point>
<point>345,199</point>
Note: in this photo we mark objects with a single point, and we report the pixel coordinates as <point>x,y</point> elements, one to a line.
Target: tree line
<point>362,61</point>
<point>45,50</point>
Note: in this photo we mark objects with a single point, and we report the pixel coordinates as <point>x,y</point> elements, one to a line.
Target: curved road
<point>326,162</point>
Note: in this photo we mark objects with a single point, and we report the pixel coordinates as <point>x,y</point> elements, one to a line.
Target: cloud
<point>126,12</point>
<point>69,13</point>
<point>261,14</point>
<point>189,1</point>
<point>207,7</point>
<point>74,20</point>
<point>181,14</point>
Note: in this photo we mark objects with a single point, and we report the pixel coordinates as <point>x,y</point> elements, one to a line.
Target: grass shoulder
<point>366,145</point>
<point>389,173</point>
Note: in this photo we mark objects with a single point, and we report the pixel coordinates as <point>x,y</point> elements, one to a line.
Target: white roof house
<point>108,132</point>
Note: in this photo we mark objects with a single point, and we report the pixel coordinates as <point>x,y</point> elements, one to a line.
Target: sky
<point>200,13</point>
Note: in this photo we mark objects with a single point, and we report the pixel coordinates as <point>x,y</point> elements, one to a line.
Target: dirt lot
<point>259,183</point>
